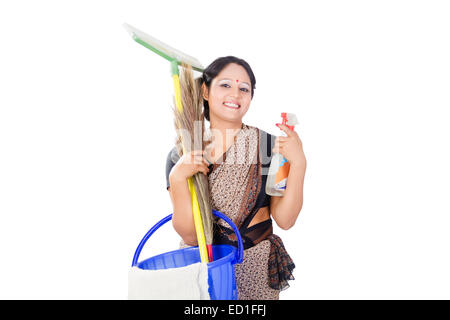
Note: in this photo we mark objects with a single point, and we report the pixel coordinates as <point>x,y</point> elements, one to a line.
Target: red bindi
<point>237,80</point>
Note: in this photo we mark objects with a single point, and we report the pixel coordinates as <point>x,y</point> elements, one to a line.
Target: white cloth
<point>184,283</point>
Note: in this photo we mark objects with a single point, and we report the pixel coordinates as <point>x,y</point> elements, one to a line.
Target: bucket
<point>221,277</point>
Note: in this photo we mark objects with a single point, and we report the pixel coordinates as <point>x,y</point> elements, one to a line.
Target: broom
<point>191,123</point>
<point>175,57</point>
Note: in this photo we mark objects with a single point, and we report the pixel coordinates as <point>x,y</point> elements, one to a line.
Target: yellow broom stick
<point>195,206</point>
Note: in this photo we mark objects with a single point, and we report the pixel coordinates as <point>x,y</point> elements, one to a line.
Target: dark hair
<point>215,68</point>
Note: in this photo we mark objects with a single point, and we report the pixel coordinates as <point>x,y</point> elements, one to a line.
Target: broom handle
<point>195,206</point>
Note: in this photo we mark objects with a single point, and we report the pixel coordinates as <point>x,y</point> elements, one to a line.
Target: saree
<point>235,184</point>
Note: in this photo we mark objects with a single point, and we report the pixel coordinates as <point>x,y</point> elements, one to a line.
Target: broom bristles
<point>192,114</point>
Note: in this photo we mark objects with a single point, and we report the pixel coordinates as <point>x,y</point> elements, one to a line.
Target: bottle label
<point>283,171</point>
<point>283,161</point>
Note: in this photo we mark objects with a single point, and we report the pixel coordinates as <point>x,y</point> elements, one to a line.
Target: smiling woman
<point>224,81</point>
<point>239,157</point>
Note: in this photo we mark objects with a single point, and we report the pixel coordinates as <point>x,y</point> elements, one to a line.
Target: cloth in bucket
<point>184,283</point>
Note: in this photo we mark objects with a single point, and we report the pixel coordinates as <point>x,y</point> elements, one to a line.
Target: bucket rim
<point>229,258</point>
<point>239,253</point>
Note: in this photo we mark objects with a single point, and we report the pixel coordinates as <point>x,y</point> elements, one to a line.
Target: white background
<point>85,127</point>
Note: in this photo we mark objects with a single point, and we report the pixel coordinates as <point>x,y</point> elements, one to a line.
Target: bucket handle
<point>240,250</point>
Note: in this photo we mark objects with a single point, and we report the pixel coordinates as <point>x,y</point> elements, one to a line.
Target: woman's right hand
<point>189,164</point>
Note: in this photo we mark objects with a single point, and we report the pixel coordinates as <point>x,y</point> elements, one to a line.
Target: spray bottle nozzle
<point>289,120</point>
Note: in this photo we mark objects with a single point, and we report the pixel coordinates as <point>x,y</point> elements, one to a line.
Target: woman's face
<point>229,94</point>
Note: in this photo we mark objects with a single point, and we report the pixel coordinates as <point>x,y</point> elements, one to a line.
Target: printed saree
<point>235,182</point>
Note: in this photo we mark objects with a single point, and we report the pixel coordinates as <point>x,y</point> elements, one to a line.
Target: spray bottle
<point>279,166</point>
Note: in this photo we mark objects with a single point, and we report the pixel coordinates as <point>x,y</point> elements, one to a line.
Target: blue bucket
<point>221,277</point>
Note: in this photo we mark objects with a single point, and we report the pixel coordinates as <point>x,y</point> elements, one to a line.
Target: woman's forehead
<point>220,79</point>
<point>234,72</point>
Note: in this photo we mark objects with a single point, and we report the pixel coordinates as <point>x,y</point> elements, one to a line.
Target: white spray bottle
<point>279,166</point>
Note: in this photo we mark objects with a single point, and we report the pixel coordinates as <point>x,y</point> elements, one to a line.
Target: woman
<point>237,163</point>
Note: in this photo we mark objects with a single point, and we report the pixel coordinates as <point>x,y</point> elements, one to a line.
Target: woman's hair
<point>215,68</point>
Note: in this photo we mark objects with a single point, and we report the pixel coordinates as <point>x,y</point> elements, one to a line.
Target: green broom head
<point>176,57</point>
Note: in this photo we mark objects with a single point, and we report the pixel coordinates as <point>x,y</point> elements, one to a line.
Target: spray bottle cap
<point>289,120</point>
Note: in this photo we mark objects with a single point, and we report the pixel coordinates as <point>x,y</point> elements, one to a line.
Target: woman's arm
<point>182,219</point>
<point>286,209</point>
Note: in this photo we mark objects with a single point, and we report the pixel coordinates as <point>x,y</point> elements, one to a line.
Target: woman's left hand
<point>290,147</point>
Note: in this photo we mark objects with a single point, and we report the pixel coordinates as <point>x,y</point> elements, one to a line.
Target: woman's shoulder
<point>262,133</point>
<point>173,155</point>
<point>266,138</point>
<point>266,144</point>
<point>172,159</point>
<point>266,135</point>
